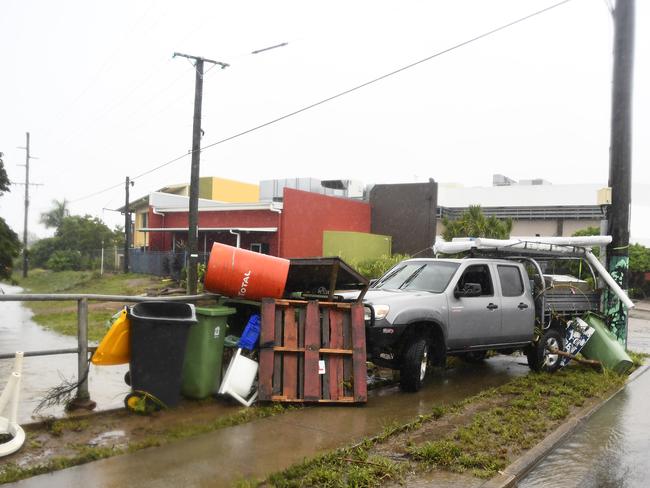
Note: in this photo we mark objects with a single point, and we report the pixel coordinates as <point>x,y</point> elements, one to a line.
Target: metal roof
<point>209,229</point>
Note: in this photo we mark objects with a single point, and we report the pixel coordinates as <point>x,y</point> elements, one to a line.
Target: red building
<point>291,229</point>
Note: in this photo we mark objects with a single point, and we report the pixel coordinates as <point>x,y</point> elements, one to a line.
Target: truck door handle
<point>492,306</point>
<point>522,306</point>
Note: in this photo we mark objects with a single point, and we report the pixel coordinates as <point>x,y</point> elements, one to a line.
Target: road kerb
<point>525,463</point>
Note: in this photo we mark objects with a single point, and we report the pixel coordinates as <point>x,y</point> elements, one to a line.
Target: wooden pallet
<point>296,336</point>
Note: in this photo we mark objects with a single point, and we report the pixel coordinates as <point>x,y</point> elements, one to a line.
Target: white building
<point>536,206</point>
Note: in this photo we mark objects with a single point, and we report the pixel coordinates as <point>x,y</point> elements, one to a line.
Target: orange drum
<point>239,273</point>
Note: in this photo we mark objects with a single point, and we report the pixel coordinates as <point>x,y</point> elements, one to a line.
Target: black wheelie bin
<point>158,337</point>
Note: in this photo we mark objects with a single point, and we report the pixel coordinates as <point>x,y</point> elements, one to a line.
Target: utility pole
<point>127,225</point>
<point>28,156</point>
<point>193,231</point>
<point>620,162</point>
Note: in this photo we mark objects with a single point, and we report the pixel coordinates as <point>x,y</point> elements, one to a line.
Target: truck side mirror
<point>469,290</point>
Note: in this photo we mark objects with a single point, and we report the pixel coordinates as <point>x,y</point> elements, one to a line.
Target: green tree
<point>639,258</point>
<point>587,231</point>
<point>474,223</point>
<point>84,234</point>
<point>41,250</point>
<point>9,242</point>
<point>54,218</point>
<point>4,179</point>
<point>74,245</point>
<point>9,249</point>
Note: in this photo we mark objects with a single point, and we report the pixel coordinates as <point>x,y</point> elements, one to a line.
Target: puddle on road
<point>107,438</point>
<point>20,333</point>
<point>610,450</point>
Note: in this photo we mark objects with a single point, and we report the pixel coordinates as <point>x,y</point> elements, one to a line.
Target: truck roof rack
<point>537,248</point>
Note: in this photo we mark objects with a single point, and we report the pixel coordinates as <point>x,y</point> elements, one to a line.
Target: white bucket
<point>239,379</point>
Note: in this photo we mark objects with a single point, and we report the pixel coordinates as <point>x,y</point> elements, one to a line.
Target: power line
<point>345,92</point>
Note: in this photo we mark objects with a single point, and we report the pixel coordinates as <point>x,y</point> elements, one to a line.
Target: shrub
<point>65,261</point>
<point>374,268</point>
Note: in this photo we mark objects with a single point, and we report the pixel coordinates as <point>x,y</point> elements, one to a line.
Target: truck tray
<point>571,301</point>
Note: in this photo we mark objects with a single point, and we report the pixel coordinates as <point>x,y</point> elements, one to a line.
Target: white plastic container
<point>239,379</point>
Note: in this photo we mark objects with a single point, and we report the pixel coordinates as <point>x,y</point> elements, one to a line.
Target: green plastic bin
<point>204,352</point>
<point>604,347</point>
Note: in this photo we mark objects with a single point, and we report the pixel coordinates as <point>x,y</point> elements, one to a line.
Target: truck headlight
<point>381,311</point>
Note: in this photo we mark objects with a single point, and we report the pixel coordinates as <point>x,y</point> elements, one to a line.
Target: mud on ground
<point>123,431</point>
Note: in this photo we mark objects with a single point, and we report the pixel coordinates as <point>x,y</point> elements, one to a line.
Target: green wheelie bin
<point>204,352</point>
<point>604,347</point>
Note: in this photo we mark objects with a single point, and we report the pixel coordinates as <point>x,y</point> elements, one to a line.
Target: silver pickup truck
<point>422,310</point>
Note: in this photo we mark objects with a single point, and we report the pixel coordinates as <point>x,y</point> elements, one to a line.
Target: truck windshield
<point>433,277</point>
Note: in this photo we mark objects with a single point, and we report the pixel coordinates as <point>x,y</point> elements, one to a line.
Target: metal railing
<point>82,350</point>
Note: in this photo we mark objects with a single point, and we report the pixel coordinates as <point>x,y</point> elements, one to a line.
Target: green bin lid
<point>215,311</point>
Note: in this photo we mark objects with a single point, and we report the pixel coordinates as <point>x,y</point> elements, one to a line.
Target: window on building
<point>261,247</point>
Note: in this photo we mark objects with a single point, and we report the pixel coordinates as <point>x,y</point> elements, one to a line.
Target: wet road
<point>18,332</point>
<point>259,448</point>
<point>611,449</point>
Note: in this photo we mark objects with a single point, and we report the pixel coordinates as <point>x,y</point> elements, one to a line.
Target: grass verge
<point>61,317</point>
<point>501,423</point>
<point>84,453</point>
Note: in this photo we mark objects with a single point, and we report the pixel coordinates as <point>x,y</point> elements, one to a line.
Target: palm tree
<point>54,217</point>
<point>474,223</point>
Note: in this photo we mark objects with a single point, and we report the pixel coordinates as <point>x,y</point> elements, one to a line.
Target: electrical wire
<point>345,92</point>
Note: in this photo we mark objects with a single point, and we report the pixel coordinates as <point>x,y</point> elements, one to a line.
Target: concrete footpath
<point>260,448</point>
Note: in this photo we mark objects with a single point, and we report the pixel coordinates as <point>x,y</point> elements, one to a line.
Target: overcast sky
<point>96,86</point>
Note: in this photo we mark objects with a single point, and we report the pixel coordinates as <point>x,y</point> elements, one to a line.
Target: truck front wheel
<point>540,356</point>
<point>415,362</point>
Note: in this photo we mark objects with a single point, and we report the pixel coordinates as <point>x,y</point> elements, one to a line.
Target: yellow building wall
<point>140,238</point>
<point>224,190</point>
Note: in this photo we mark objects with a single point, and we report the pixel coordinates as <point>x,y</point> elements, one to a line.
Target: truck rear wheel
<point>539,355</point>
<point>414,366</point>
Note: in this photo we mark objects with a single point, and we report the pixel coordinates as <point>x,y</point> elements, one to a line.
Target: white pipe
<point>544,242</point>
<point>563,241</point>
<point>508,244</point>
<point>553,244</point>
<point>8,391</point>
<point>609,280</point>
<point>14,444</point>
<point>18,362</point>
<point>238,234</point>
<point>452,247</point>
<point>13,408</point>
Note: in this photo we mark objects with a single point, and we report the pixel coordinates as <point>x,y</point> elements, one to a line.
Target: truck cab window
<point>479,273</point>
<point>510,278</point>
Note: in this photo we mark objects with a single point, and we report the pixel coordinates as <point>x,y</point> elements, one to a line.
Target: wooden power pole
<point>193,229</point>
<point>127,224</point>
<point>620,161</point>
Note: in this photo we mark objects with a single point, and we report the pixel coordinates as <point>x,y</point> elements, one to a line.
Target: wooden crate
<point>296,336</point>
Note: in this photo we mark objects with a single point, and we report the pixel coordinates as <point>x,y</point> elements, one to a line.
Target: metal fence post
<point>82,399</point>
